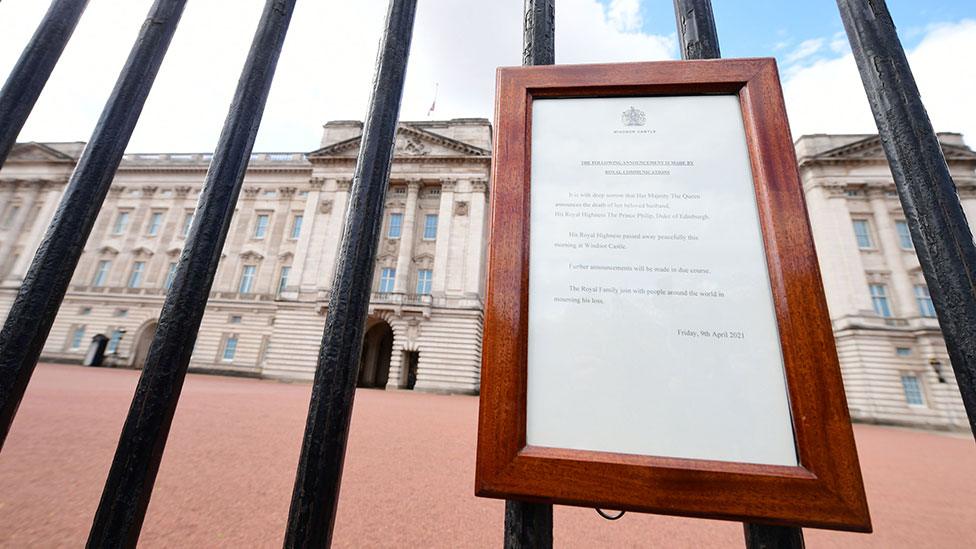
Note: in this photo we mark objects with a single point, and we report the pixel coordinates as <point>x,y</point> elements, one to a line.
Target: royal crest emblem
<point>633,117</point>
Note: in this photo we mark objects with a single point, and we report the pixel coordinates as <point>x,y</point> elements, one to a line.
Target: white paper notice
<point>651,322</point>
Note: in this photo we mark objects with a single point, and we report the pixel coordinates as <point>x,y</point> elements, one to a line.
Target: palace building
<point>271,293</point>
<point>891,350</point>
<point>269,300</point>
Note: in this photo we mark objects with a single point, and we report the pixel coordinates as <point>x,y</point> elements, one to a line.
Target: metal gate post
<point>699,40</point>
<point>942,237</point>
<point>129,486</point>
<point>311,517</point>
<point>529,525</point>
<point>32,313</point>
<point>30,74</point>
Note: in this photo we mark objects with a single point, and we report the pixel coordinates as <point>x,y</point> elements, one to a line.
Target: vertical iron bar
<point>761,536</point>
<point>942,237</point>
<point>128,488</point>
<point>315,499</point>
<point>539,33</point>
<point>696,29</point>
<point>529,525</point>
<point>699,40</point>
<point>30,74</point>
<point>32,313</point>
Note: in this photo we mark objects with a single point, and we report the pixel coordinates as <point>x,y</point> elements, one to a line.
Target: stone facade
<point>892,355</point>
<point>271,293</point>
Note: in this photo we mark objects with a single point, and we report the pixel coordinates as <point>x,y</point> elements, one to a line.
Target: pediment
<point>108,250</point>
<point>37,152</point>
<point>251,255</point>
<point>871,149</point>
<point>410,142</point>
<point>142,251</point>
<point>173,252</point>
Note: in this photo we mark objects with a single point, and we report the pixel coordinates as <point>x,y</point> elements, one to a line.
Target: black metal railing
<point>939,230</point>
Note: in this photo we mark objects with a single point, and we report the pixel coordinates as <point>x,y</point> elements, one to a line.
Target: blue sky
<point>326,67</point>
<point>759,28</point>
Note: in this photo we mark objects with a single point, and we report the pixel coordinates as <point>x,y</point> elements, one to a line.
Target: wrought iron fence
<point>938,227</point>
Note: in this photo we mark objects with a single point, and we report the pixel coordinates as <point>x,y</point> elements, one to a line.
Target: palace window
<point>913,390</point>
<point>904,235</point>
<point>121,222</point>
<point>235,319</point>
<point>230,348</point>
<point>77,337</point>
<point>113,342</point>
<point>879,298</point>
<point>283,278</point>
<point>430,227</point>
<point>85,311</point>
<point>924,300</point>
<point>170,275</point>
<point>296,227</point>
<point>903,351</point>
<point>135,277</point>
<point>101,274</point>
<point>396,225</point>
<point>261,226</point>
<point>187,222</point>
<point>424,277</point>
<point>155,222</point>
<point>862,232</point>
<point>387,278</point>
<point>247,279</point>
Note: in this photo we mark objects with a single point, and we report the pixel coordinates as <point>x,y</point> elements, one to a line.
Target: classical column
<point>325,268</point>
<point>903,292</point>
<point>474,254</point>
<point>309,217</point>
<point>49,202</point>
<point>15,231</point>
<point>405,254</point>
<point>442,246</point>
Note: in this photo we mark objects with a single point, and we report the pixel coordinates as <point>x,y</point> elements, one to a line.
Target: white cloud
<point>325,71</point>
<point>827,97</point>
<point>624,15</point>
<point>805,50</point>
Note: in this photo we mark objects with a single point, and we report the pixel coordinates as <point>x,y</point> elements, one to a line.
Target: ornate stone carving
<point>448,185</point>
<point>288,192</point>
<point>149,190</point>
<point>316,183</point>
<point>343,185</point>
<point>250,193</point>
<point>116,190</point>
<point>878,277</point>
<point>325,207</point>
<point>183,192</point>
<point>461,208</point>
<point>412,146</point>
<point>424,261</point>
<point>479,186</point>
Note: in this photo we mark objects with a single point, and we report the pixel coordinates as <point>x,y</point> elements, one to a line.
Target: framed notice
<point>656,335</point>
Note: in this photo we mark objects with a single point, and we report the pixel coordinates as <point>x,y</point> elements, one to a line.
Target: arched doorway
<point>142,342</point>
<point>374,363</point>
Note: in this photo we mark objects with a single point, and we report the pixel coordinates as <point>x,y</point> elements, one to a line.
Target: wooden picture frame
<point>825,490</point>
